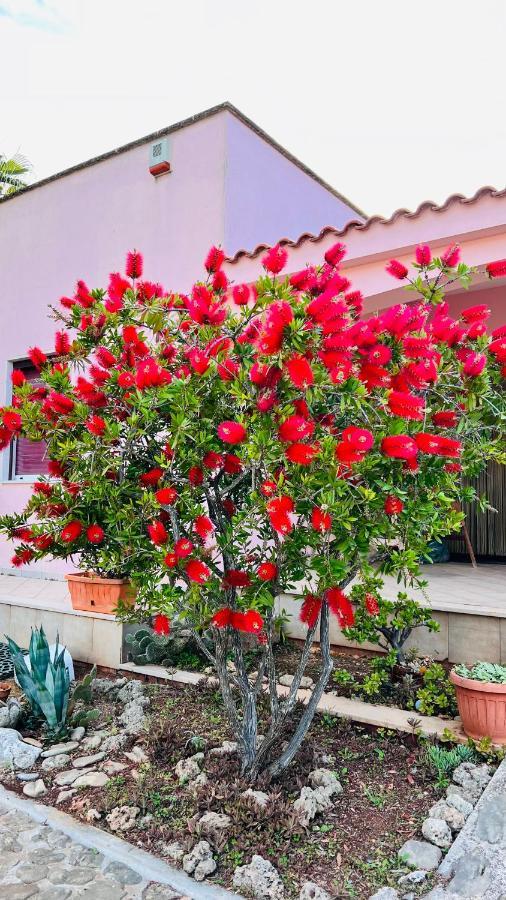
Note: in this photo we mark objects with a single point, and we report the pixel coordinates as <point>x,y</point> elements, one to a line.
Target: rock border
<point>151,868</point>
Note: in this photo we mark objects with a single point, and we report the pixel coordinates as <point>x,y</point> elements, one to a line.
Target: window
<point>28,458</point>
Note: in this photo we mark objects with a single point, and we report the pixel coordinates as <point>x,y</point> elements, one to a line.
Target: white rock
<point>260,798</point>
<point>460,804</point>
<point>212,821</point>
<point>451,816</point>
<point>260,879</point>
<point>65,795</point>
<point>82,762</point>
<point>174,851</point>
<point>35,789</point>
<point>200,861</point>
<point>93,815</point>
<point>312,891</point>
<point>137,755</point>
<point>78,733</point>
<point>385,893</point>
<point>305,681</point>
<point>325,778</point>
<point>122,818</point>
<point>58,749</point>
<point>437,832</point>
<point>56,762</point>
<point>92,742</point>
<point>188,769</point>
<point>226,748</point>
<point>65,778</point>
<point>113,768</point>
<point>10,713</point>
<point>91,779</point>
<point>16,753</point>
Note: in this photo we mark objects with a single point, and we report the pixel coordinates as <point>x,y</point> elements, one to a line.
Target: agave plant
<point>47,685</point>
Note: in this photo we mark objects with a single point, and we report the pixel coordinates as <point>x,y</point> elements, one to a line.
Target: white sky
<point>391,101</point>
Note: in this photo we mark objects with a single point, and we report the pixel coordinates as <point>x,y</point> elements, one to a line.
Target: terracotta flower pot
<point>5,689</point>
<point>482,708</point>
<point>90,593</point>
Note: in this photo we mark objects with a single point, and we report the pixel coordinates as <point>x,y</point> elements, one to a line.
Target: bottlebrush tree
<point>225,447</point>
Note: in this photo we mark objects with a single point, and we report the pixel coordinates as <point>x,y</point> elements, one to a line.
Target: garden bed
<point>349,849</point>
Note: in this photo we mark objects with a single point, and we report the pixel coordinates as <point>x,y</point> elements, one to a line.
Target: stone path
<point>40,860</point>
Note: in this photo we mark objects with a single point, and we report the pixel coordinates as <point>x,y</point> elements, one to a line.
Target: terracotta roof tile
<point>357,225</point>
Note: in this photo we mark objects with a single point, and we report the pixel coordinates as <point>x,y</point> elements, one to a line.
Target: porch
<point>469,604</point>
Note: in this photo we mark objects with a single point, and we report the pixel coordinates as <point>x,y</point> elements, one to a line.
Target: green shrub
<point>443,761</point>
<point>437,695</point>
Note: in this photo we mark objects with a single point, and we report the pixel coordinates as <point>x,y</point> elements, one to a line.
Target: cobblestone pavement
<point>41,862</point>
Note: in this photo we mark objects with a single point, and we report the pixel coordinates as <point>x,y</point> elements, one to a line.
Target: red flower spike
<point>240,294</point>
<point>151,478</point>
<point>320,520</point>
<point>203,527</point>
<point>214,259</point>
<point>95,534</point>
<point>275,260</point>
<point>236,578</point>
<point>197,571</point>
<point>360,439</point>
<point>335,254</point>
<point>423,255</point>
<point>310,610</point>
<point>161,624</point>
<point>302,454</point>
<point>496,269</point>
<point>397,269</point>
<point>300,372</point>
<point>17,378</point>
<point>71,532</point>
<point>438,445</point>
<point>166,496</point>
<point>399,446</point>
<point>451,256</point>
<point>55,468</point>
<point>134,264</point>
<point>222,618</point>
<point>393,506</point>
<point>12,420</point>
<point>296,428</point>
<point>232,465</point>
<point>406,405</point>
<point>37,357</point>
<point>371,604</point>
<point>195,476</point>
<point>340,606</point>
<point>183,548</point>
<point>445,418</point>
<point>231,432</point>
<point>157,532</point>
<point>170,559</point>
<point>267,571</point>
<point>96,425</point>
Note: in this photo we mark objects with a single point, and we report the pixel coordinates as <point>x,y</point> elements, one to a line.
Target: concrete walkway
<point>48,855</point>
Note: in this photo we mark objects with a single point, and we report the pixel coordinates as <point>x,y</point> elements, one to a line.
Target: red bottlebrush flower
<point>303,280</point>
<point>371,604</point>
<point>498,349</point>
<point>379,355</point>
<point>421,374</point>
<point>335,254</point>
<point>302,454</point>
<point>281,522</point>
<point>301,408</point>
<point>232,465</point>
<point>296,428</point>
<point>43,542</point>
<point>183,547</point>
<point>37,357</point>
<point>126,380</point>
<point>170,559</point>
<point>59,403</point>
<point>203,527</point>
<point>310,610</point>
<point>157,532</point>
<point>399,446</point>
<point>22,557</point>
<point>231,432</point>
<point>55,468</point>
<point>474,365</point>
<point>347,454</point>
<point>397,269</point>
<point>12,420</point>
<point>240,294</point>
<point>320,520</point>
<point>95,534</point>
<point>496,269</point>
<point>95,425</point>
<point>130,335</point>
<point>61,343</point>
<point>445,418</point>
<point>199,361</point>
<point>116,289</point>
<point>267,571</point>
<point>222,618</point>
<point>67,302</point>
<point>250,621</point>
<point>212,460</point>
<point>477,313</point>
<point>282,504</point>
<point>166,496</point>
<point>236,578</point>
<point>275,260</point>
<point>149,479</point>
<point>451,256</point>
<point>228,370</point>
<point>340,606</point>
<point>300,372</point>
<point>267,400</point>
<point>17,378</point>
<point>197,571</point>
<point>214,259</point>
<point>195,476</point>
<point>268,488</point>
<point>438,445</point>
<point>161,624</point>
<point>5,438</point>
<point>406,405</point>
<point>43,487</point>
<point>452,467</point>
<point>341,372</point>
<point>100,376</point>
<point>423,255</point>
<point>220,281</point>
<point>229,507</point>
<point>82,295</point>
<point>374,376</point>
<point>393,506</point>
<point>71,532</point>
<point>105,357</point>
<point>133,266</point>
<point>360,439</point>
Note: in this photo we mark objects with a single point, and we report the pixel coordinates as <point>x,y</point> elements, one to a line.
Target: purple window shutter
<point>30,457</point>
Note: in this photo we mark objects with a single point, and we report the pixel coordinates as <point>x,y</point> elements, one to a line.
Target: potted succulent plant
<point>481,698</point>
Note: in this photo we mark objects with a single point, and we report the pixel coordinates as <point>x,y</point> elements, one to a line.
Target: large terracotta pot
<point>90,593</point>
<point>482,708</point>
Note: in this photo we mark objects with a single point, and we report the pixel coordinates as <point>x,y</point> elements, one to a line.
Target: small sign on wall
<point>159,157</point>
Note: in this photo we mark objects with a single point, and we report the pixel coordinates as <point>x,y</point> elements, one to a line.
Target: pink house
<point>229,183</point>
